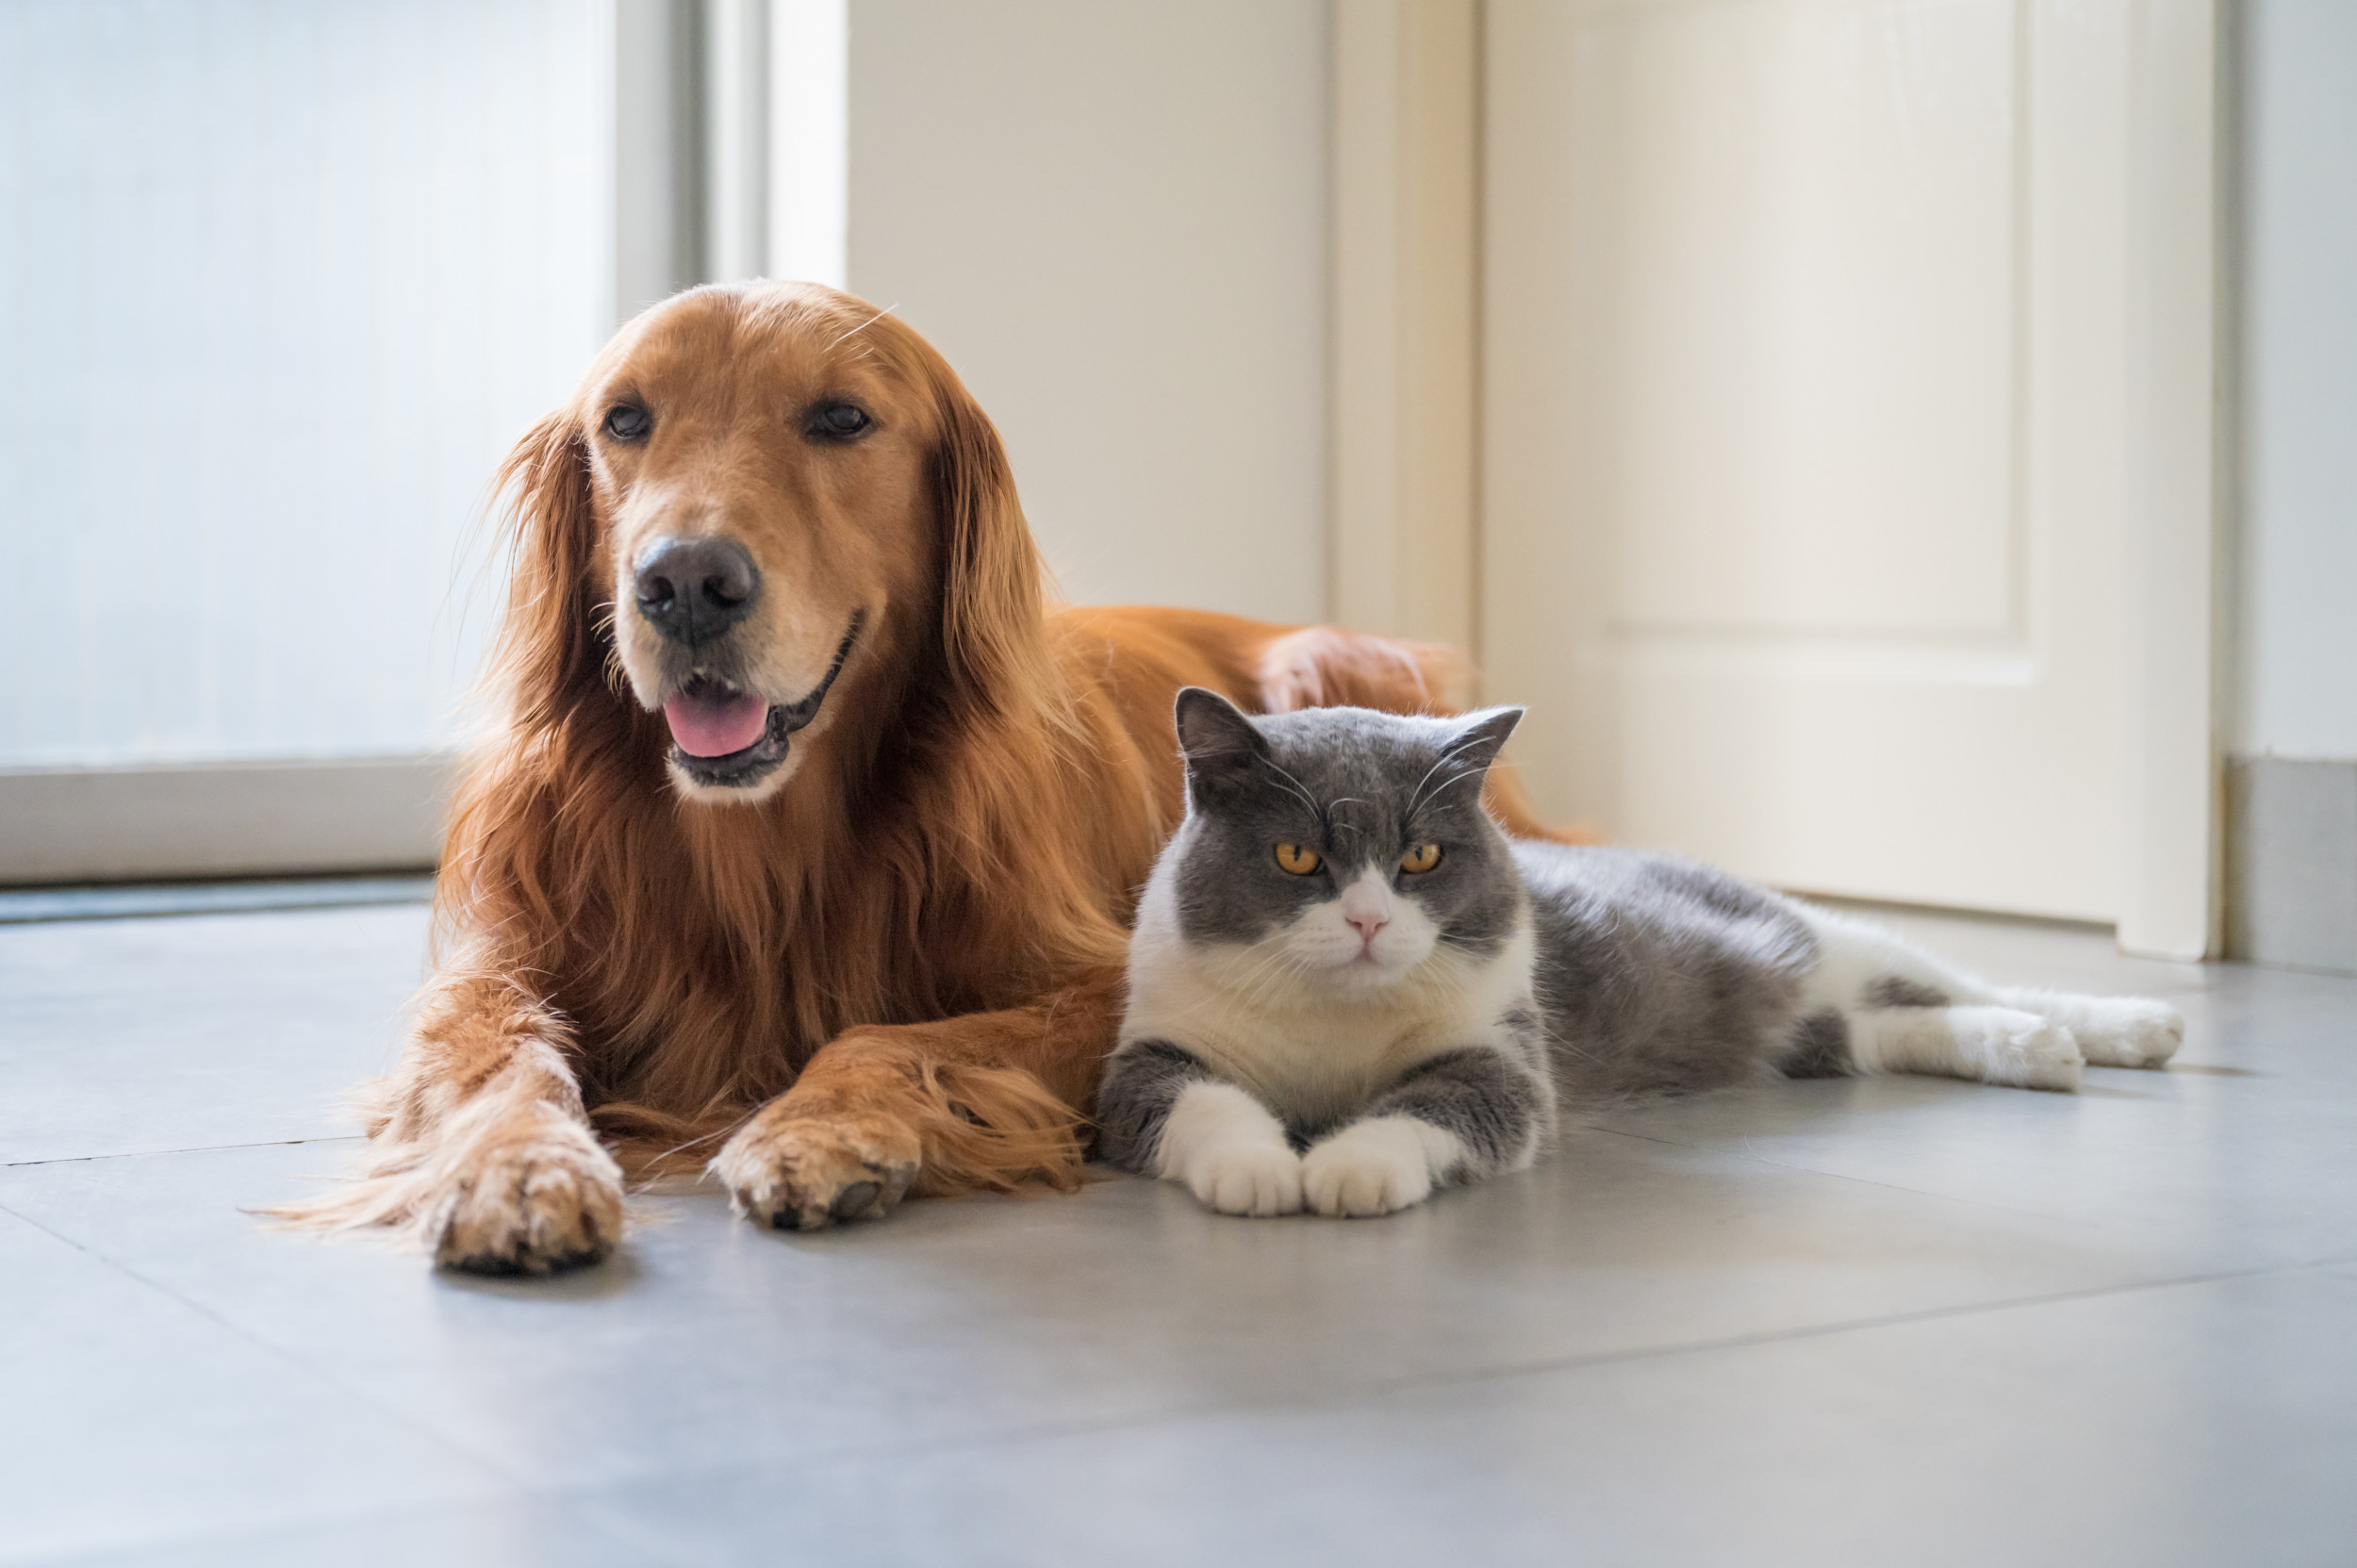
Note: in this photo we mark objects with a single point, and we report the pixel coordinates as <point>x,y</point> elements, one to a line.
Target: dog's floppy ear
<point>548,644</point>
<point>991,614</point>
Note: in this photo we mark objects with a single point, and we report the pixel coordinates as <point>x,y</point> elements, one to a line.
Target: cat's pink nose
<point>1367,925</point>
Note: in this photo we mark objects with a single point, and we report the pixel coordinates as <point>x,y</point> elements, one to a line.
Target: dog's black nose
<point>692,590</point>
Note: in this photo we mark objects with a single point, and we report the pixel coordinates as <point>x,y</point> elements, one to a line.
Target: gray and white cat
<point>1347,986</point>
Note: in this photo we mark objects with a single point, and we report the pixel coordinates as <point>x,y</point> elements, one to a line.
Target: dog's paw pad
<point>805,1173</point>
<point>536,1199</point>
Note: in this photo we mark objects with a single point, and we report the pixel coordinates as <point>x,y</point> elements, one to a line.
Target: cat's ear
<point>1222,746</point>
<point>1479,738</point>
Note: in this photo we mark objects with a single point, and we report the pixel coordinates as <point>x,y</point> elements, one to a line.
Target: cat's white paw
<point>2020,1048</point>
<point>1246,1178</point>
<point>2129,1031</point>
<point>1373,1167</point>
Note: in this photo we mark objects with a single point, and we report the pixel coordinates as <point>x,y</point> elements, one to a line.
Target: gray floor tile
<point>2235,1157</point>
<point>126,1036</point>
<point>1821,1323</point>
<point>521,1534</point>
<point>127,1417</point>
<point>711,1339</point>
<point>2203,1425</point>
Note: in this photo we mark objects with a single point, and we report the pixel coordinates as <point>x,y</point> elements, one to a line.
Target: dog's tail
<point>1324,665</point>
<point>1510,803</point>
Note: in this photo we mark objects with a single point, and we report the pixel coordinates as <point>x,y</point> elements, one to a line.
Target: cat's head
<point>1347,846</point>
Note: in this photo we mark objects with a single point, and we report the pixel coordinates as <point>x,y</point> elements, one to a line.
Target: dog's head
<point>766,502</point>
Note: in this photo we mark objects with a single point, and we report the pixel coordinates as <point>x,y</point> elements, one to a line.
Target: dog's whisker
<point>862,327</point>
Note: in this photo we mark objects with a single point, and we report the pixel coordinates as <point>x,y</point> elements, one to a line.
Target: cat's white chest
<point>1307,1053</point>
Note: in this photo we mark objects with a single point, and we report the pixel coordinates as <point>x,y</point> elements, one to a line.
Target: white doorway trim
<point>2172,876</point>
<point>1403,546</point>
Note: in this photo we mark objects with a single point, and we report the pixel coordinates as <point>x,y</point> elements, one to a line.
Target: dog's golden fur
<point>897,965</point>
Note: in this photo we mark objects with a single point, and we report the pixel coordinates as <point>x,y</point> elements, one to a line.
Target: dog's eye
<point>1297,858</point>
<point>839,422</point>
<point>627,421</point>
<point>1419,858</point>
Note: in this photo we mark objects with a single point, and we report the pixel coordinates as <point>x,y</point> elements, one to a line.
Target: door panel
<point>1802,397</point>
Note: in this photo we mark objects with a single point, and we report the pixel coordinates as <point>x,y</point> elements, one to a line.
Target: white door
<point>1810,331</point>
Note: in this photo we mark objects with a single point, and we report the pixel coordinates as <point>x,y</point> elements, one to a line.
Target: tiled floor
<point>1893,1322</point>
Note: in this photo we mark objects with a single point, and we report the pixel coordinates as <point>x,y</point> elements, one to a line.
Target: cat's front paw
<point>1246,1178</point>
<point>1373,1167</point>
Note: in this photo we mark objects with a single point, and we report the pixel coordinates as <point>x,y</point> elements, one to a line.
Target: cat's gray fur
<point>1346,1039</point>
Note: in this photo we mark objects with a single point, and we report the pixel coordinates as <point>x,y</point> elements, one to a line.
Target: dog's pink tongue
<point>713,727</point>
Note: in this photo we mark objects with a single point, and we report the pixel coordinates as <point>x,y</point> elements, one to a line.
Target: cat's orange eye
<point>1298,859</point>
<point>1419,858</point>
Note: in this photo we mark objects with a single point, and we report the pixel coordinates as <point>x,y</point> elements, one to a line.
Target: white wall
<point>2298,569</point>
<point>1111,218</point>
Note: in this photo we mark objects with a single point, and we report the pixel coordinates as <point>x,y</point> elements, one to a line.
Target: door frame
<point>2179,524</point>
<point>1411,341</point>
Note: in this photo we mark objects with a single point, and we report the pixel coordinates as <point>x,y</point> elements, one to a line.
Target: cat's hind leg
<point>1878,1003</point>
<point>1862,966</point>
<point>2113,1031</point>
<point>1989,1045</point>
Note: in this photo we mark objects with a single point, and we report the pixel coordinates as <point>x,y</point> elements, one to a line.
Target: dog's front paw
<point>1371,1167</point>
<point>805,1173</point>
<point>1246,1178</point>
<point>535,1194</point>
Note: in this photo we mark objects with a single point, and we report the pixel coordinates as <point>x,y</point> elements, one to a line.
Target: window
<point>283,281</point>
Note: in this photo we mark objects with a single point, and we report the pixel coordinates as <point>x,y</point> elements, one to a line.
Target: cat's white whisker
<point>1297,789</point>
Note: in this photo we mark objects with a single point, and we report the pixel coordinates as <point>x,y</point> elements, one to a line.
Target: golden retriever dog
<point>807,833</point>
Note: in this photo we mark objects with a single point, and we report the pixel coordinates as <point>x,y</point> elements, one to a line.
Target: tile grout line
<point>1052,1430</point>
<point>1049,1431</point>
<point>263,1533</point>
<point>1827,1330</point>
<point>200,1148</point>
<point>605,1521</point>
<point>620,1525</point>
<point>1746,1153</point>
<point>281,1353</point>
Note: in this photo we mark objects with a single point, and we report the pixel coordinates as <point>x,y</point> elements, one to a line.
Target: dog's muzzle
<point>708,714</point>
<point>692,590</point>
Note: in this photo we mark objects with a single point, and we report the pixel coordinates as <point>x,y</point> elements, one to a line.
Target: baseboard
<point>242,818</point>
<point>2291,863</point>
